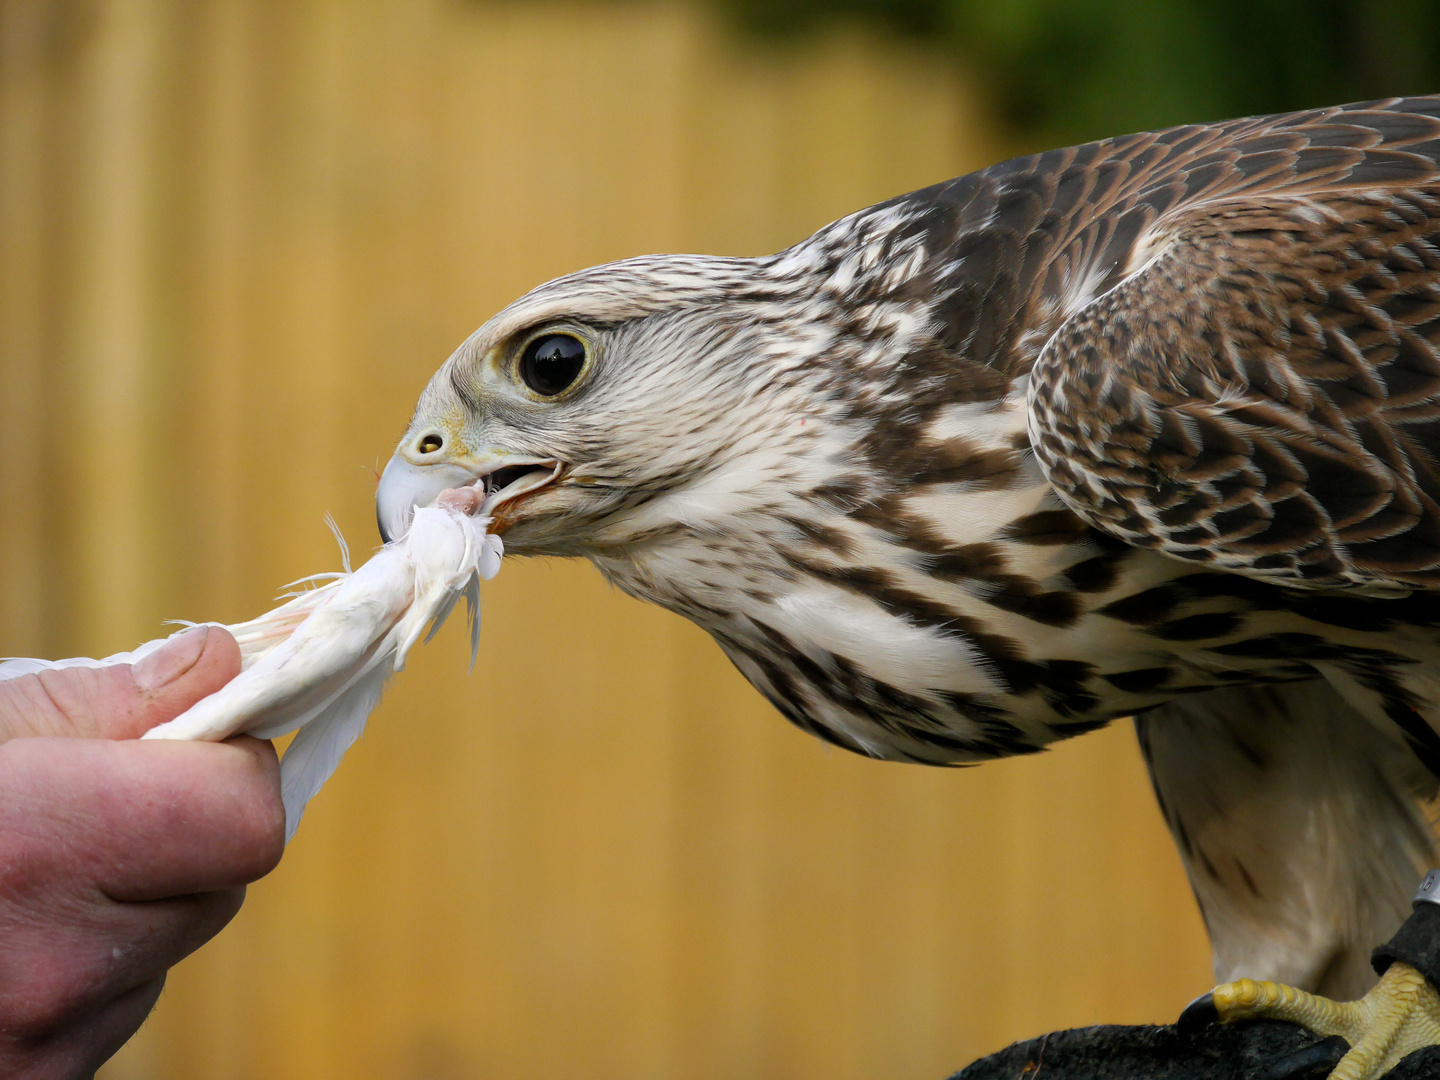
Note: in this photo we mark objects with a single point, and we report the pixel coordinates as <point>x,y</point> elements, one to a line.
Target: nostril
<point>430,443</point>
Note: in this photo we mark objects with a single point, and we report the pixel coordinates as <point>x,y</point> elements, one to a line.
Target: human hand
<point>117,857</point>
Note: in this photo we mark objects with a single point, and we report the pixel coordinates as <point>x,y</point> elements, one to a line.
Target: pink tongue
<point>466,500</point>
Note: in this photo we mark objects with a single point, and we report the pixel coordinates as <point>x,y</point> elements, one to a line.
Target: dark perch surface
<point>1233,1052</point>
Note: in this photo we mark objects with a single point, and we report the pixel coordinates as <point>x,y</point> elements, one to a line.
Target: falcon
<point>1147,427</point>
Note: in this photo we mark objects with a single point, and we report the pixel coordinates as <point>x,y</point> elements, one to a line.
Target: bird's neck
<point>870,557</point>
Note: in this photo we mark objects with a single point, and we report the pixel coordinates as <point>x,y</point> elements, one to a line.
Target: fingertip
<point>192,665</point>
<point>263,841</point>
<point>265,759</point>
<point>198,660</point>
<point>221,654</point>
<point>263,749</point>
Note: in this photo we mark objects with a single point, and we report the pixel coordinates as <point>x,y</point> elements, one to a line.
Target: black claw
<point>1198,1015</point>
<point>1312,1063</point>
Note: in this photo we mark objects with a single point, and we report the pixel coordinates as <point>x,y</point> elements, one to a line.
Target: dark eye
<point>551,363</point>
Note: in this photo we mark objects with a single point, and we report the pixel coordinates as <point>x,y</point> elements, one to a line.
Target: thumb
<point>120,701</point>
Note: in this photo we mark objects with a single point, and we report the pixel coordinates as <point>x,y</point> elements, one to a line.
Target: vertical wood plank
<point>108,372</point>
<point>24,208</point>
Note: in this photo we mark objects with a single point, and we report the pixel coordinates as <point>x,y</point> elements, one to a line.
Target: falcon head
<point>592,398</point>
<point>668,391</point>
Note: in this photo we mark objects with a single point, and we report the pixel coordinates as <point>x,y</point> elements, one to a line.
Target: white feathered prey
<point>318,663</point>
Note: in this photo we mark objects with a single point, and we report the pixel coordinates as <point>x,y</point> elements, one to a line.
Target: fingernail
<point>171,660</point>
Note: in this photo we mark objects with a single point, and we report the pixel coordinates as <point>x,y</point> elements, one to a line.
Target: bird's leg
<point>1400,1014</point>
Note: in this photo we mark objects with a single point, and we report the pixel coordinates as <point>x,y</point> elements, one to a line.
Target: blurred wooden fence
<point>236,237</point>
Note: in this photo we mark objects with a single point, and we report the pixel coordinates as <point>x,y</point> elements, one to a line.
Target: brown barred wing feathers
<point>1262,393</point>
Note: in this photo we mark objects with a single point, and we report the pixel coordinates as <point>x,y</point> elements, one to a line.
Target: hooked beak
<point>405,486</point>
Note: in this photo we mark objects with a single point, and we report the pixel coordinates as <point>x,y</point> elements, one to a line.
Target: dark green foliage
<point>1069,70</point>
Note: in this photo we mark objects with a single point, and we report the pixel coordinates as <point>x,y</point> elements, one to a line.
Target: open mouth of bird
<point>510,482</point>
<point>495,491</point>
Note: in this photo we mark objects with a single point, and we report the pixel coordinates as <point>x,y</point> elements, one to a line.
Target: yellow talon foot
<point>1400,1015</point>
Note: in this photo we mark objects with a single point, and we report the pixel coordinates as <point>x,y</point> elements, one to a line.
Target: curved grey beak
<point>404,486</point>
